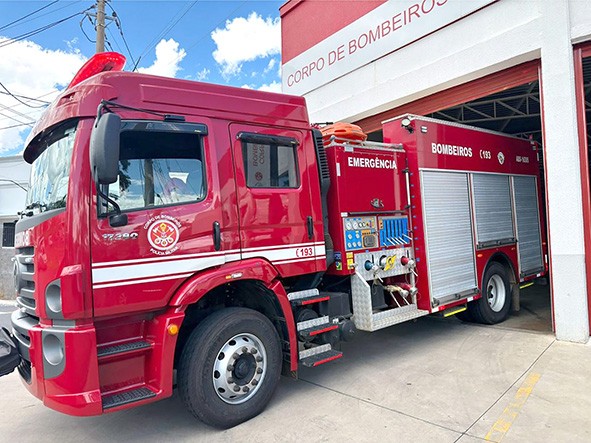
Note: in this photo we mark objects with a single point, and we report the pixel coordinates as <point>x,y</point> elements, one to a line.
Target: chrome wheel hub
<point>496,293</point>
<point>239,368</point>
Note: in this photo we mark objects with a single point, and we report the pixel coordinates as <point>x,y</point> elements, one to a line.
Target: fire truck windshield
<point>50,171</point>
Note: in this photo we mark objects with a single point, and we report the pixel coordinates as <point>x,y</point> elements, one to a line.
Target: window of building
<point>270,162</point>
<point>159,167</point>
<point>8,235</point>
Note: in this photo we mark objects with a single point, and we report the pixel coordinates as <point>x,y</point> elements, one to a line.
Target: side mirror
<point>104,148</point>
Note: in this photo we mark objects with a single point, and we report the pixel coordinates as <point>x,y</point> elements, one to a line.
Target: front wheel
<point>230,367</point>
<point>494,305</point>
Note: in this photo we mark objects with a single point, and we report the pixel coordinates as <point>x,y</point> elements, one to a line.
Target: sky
<point>235,43</point>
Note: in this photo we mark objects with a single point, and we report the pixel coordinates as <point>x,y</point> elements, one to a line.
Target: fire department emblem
<point>163,235</point>
<point>501,158</point>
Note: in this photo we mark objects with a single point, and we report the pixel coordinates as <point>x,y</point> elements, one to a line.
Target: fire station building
<point>513,66</point>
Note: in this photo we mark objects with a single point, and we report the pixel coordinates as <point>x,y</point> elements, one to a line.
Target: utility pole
<point>100,23</point>
<point>100,26</point>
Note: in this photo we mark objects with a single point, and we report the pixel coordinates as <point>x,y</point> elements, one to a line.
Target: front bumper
<point>71,388</point>
<point>61,364</point>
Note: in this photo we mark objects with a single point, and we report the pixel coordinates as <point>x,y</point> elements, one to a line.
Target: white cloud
<point>33,71</point>
<point>270,65</point>
<point>202,75</point>
<point>245,39</point>
<point>168,59</point>
<point>271,87</point>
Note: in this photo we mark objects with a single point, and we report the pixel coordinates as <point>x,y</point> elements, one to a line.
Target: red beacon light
<point>101,62</point>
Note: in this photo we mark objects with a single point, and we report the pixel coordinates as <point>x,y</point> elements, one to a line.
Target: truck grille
<point>24,281</point>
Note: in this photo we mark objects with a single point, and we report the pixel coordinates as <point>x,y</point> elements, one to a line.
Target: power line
<point>23,115</point>
<point>20,114</point>
<point>108,43</point>
<point>218,24</point>
<point>83,31</point>
<point>120,27</point>
<point>18,99</point>
<point>125,43</point>
<point>28,15</point>
<point>166,29</point>
<point>16,120</point>
<point>67,5</point>
<point>112,37</point>
<point>30,98</point>
<point>38,30</point>
<point>31,115</point>
<point>114,18</point>
<point>14,183</point>
<point>15,126</point>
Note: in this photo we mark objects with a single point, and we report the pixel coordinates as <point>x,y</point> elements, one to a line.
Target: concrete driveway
<point>432,380</point>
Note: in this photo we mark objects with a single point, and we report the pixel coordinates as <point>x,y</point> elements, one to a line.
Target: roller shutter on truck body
<point>529,243</point>
<point>448,233</point>
<point>505,211</point>
<point>492,209</point>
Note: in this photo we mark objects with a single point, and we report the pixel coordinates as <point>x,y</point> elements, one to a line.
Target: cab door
<point>278,219</point>
<point>170,193</point>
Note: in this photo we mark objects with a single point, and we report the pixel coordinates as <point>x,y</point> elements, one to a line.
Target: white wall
<point>501,35</point>
<point>12,197</point>
<point>563,178</point>
<point>580,20</point>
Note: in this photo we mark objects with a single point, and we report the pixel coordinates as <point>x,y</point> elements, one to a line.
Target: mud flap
<point>9,356</point>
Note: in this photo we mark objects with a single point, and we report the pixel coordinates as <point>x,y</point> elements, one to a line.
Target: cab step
<point>123,398</point>
<point>319,355</point>
<point>307,297</point>
<point>316,326</point>
<point>123,348</point>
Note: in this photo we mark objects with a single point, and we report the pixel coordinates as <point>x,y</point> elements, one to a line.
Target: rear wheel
<point>230,367</point>
<point>495,303</point>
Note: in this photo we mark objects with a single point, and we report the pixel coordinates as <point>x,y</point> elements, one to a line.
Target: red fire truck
<point>208,236</point>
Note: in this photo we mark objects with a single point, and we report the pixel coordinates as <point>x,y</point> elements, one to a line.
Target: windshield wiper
<point>28,212</point>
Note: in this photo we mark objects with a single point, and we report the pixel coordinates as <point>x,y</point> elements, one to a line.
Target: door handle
<point>310,223</point>
<point>217,236</point>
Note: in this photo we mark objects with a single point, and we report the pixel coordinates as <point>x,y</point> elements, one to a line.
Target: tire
<point>494,305</point>
<point>234,348</point>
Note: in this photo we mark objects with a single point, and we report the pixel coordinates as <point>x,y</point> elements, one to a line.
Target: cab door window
<point>160,164</point>
<point>269,161</point>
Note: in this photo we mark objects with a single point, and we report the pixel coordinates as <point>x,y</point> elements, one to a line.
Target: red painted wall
<point>304,23</point>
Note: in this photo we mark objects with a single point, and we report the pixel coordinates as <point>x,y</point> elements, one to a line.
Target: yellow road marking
<point>503,424</point>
